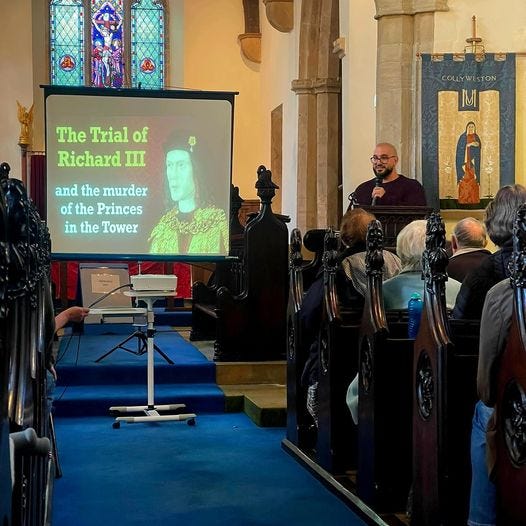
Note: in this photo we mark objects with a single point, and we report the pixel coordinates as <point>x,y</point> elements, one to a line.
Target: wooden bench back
<point>385,394</point>
<point>252,324</point>
<point>336,447</point>
<point>299,422</point>
<point>27,327</point>
<point>511,396</point>
<point>444,387</point>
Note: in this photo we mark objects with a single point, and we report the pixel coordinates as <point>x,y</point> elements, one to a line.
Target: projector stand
<point>151,411</point>
<point>142,347</point>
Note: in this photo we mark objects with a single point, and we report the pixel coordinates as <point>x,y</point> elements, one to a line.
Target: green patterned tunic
<point>206,232</point>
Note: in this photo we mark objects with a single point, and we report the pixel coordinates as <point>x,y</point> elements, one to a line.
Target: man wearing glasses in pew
<point>388,187</point>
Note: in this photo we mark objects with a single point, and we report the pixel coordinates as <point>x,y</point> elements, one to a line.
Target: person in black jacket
<point>499,217</point>
<point>468,246</point>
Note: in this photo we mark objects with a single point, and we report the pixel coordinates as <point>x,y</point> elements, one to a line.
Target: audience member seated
<point>468,244</point>
<point>498,218</point>
<point>410,245</point>
<point>350,284</point>
<point>494,329</point>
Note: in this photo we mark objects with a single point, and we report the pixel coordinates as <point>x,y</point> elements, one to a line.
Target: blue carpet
<point>85,387</point>
<point>174,318</point>
<point>224,471</point>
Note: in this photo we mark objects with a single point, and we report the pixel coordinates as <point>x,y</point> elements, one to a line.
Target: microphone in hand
<point>377,184</point>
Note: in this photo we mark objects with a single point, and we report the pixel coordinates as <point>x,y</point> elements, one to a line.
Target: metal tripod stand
<point>142,346</point>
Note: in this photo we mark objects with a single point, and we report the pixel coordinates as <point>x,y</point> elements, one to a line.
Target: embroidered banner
<point>468,128</point>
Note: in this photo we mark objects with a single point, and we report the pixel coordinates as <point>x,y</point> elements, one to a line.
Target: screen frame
<point>180,94</point>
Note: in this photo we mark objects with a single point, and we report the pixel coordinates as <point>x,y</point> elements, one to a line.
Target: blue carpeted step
<point>86,400</point>
<point>86,387</point>
<point>77,355</point>
<point>106,373</point>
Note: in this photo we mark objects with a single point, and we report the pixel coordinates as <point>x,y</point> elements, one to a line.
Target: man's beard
<point>384,174</point>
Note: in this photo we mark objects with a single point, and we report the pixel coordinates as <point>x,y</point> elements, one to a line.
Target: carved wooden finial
<point>374,258</point>
<point>330,250</point>
<point>4,171</point>
<point>435,258</point>
<point>296,258</point>
<point>266,188</point>
<point>352,201</point>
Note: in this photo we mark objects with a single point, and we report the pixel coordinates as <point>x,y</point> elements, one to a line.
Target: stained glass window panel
<point>147,48</point>
<point>107,65</point>
<point>67,42</point>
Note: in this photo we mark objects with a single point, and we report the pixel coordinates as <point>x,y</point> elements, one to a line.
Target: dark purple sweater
<point>401,191</point>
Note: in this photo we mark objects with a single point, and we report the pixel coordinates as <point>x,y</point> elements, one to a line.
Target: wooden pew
<point>26,312</point>
<point>5,469</point>
<point>385,394</point>
<point>300,426</point>
<point>251,325</point>
<point>444,387</point>
<point>336,445</point>
<point>511,400</point>
<point>312,241</point>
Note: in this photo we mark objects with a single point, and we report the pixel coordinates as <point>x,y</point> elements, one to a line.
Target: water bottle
<point>414,311</point>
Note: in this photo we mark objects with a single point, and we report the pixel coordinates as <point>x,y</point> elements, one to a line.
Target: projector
<point>145,282</point>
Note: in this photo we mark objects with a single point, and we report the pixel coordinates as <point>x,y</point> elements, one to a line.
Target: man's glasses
<point>381,159</point>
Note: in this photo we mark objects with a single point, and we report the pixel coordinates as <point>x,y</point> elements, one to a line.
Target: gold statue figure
<point>25,117</point>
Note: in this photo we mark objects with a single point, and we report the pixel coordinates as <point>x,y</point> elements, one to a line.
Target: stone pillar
<point>328,94</point>
<point>307,141</point>
<point>318,88</point>
<point>328,152</point>
<point>404,28</point>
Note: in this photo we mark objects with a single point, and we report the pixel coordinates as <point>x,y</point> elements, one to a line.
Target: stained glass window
<point>67,42</point>
<point>147,37</point>
<point>107,43</point>
<point>107,68</point>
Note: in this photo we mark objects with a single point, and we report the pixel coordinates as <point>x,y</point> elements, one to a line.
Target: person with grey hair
<point>410,245</point>
<point>498,219</point>
<point>468,244</point>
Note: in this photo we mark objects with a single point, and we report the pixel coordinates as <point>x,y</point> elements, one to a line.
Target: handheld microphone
<point>377,184</point>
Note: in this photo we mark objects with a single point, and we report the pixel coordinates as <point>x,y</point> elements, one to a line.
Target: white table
<point>151,411</point>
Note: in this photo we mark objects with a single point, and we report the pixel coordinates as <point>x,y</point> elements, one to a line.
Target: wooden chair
<point>511,398</point>
<point>385,394</point>
<point>444,387</point>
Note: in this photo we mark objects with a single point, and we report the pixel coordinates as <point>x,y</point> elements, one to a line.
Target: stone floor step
<point>265,404</point>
